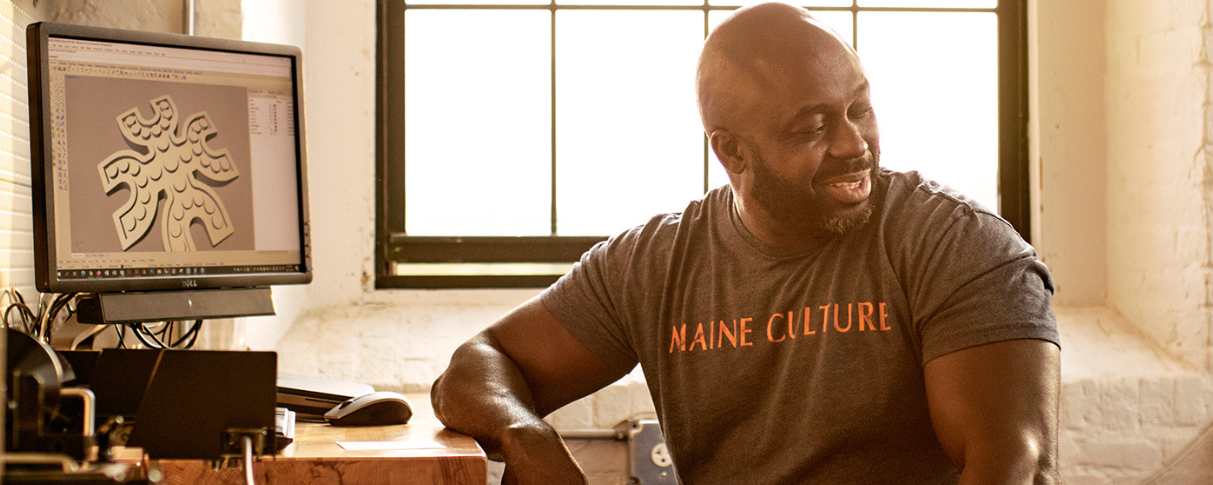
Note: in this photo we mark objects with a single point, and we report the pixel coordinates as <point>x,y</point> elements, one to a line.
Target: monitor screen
<point>165,161</point>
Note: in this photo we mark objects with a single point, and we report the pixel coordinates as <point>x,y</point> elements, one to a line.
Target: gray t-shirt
<point>803,363</point>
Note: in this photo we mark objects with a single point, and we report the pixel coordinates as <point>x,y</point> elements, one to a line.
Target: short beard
<point>841,224</point>
<point>792,206</point>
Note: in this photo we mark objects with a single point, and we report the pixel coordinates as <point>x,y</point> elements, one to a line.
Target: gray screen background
<point>92,107</point>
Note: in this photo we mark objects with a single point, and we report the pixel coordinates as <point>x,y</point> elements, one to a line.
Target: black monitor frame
<point>45,251</point>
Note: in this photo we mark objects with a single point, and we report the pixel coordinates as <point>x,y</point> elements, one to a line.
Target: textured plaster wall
<point>274,21</point>
<point>1128,409</point>
<point>1069,146</point>
<point>218,18</point>
<point>1119,100</point>
<point>212,18</point>
<point>1158,221</point>
<point>151,15</point>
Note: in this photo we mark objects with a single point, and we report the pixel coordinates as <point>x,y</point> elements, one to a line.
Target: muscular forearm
<point>483,394</point>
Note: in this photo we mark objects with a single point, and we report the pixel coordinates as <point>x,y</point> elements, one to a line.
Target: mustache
<point>833,167</point>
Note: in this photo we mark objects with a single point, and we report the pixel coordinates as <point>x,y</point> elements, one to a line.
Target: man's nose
<point>848,141</point>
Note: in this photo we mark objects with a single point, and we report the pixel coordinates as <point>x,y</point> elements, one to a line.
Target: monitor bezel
<point>46,275</point>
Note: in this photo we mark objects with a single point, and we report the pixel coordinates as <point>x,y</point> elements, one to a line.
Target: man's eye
<point>861,111</point>
<point>815,131</point>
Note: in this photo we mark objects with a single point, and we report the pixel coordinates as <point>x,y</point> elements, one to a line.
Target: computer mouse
<point>374,409</point>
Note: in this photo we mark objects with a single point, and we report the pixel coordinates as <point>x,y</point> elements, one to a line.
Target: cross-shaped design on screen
<point>175,158</point>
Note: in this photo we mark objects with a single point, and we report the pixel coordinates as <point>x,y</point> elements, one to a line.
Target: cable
<point>86,335</point>
<point>121,330</point>
<point>40,323</point>
<point>17,302</point>
<point>37,323</point>
<point>159,338</point>
<point>27,316</point>
<point>135,329</point>
<point>191,334</point>
<point>49,317</point>
<point>248,459</point>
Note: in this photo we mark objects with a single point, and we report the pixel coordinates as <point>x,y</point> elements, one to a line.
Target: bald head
<point>756,51</point>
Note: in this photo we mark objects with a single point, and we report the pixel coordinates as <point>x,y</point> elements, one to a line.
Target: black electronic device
<point>186,404</point>
<point>168,169</point>
<point>199,402</point>
<point>310,397</point>
<point>374,409</point>
<point>34,392</point>
<point>120,379</point>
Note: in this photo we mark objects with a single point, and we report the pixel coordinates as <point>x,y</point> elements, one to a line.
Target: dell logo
<point>190,283</point>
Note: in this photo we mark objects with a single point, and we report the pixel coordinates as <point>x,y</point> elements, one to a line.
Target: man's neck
<point>767,229</point>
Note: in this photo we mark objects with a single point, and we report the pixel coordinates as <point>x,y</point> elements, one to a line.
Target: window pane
<point>839,21</point>
<point>930,3</point>
<point>935,90</point>
<point>808,5</point>
<point>476,2</point>
<point>629,143</point>
<point>478,111</point>
<point>631,2</point>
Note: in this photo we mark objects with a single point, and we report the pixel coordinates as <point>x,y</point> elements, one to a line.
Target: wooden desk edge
<point>315,457</point>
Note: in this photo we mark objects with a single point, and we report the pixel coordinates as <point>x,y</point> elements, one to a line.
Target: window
<point>514,135</point>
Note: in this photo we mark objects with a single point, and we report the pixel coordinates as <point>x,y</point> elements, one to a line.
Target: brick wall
<point>1127,408</point>
<point>1157,85</point>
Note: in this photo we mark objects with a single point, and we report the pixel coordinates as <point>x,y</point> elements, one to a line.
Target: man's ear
<point>730,149</point>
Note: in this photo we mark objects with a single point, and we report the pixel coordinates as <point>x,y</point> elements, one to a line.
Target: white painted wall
<point>151,15</point>
<point>1068,146</point>
<point>274,21</point>
<point>1157,93</point>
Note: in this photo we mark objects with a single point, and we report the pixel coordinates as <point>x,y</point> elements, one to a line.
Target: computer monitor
<point>165,162</point>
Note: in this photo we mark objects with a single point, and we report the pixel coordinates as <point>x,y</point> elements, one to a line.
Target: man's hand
<point>535,455</point>
<point>504,380</point>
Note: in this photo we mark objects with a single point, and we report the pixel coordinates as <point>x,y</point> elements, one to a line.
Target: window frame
<point>393,245</point>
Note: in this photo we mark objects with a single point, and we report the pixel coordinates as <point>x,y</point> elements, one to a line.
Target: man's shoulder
<point>910,199</point>
<point>912,191</point>
<point>919,215</point>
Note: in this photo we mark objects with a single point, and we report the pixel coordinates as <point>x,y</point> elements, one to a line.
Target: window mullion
<point>707,159</point>
<point>552,7</point>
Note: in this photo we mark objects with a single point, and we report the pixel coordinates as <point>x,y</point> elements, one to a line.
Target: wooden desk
<point>315,458</point>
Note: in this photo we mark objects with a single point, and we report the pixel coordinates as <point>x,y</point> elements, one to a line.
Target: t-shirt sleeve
<point>589,304</point>
<point>980,283</point>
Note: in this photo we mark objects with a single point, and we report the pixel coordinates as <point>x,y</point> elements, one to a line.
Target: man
<point>816,321</point>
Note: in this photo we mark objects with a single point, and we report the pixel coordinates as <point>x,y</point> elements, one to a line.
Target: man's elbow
<point>1042,464</point>
<point>1026,462</point>
<point>445,388</point>
<point>436,398</point>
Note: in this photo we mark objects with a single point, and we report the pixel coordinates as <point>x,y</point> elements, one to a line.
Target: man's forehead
<point>772,57</point>
<point>777,40</point>
<point>770,26</point>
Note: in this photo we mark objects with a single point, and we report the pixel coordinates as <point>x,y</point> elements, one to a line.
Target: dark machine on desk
<point>169,185</point>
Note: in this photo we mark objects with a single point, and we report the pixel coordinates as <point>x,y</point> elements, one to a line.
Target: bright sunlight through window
<point>515,126</point>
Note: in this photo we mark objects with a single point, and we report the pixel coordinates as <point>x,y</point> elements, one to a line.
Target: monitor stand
<point>156,306</point>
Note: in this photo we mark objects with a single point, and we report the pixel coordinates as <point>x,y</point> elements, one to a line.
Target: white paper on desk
<point>387,445</point>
